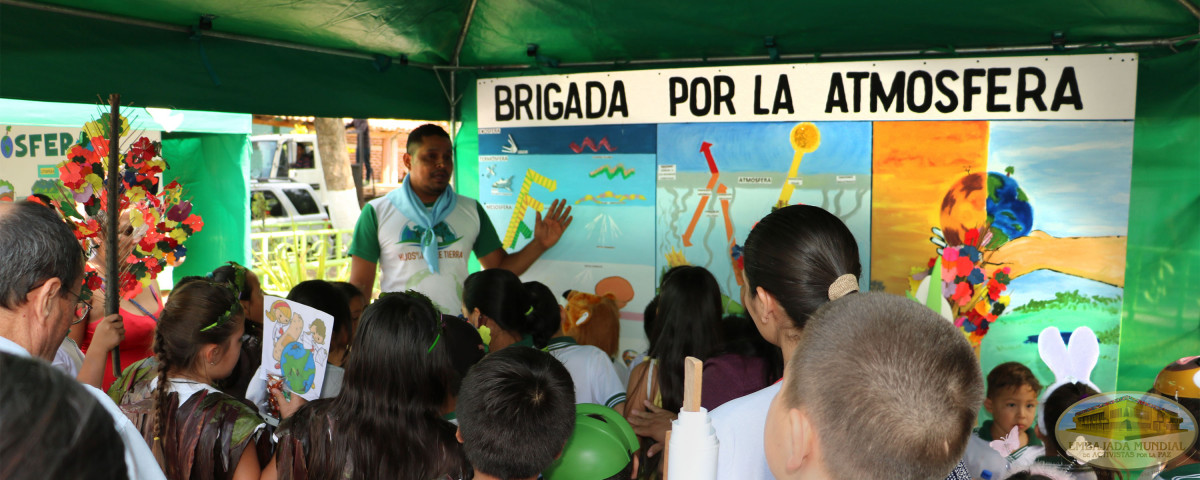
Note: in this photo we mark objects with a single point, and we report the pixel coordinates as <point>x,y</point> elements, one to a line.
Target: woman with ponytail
<point>386,422</point>
<point>496,303</point>
<point>797,259</point>
<point>195,430</point>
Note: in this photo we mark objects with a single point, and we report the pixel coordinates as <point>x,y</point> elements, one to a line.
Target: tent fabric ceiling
<point>166,68</point>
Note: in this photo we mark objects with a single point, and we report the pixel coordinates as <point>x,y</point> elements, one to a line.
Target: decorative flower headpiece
<point>160,222</point>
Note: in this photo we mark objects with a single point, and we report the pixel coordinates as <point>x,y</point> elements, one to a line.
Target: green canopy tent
<point>419,58</point>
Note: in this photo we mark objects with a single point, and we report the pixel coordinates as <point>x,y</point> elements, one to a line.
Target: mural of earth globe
<point>299,369</point>
<point>986,198</point>
<point>1008,209</point>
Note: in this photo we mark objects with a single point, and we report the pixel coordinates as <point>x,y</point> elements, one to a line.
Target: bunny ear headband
<point>1071,362</point>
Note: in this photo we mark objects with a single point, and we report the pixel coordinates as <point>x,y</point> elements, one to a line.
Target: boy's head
<point>914,380</point>
<point>1012,396</point>
<point>516,411</point>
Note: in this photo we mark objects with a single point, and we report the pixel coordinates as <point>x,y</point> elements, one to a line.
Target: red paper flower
<point>195,223</point>
<point>71,174</point>
<point>964,266</point>
<point>962,293</point>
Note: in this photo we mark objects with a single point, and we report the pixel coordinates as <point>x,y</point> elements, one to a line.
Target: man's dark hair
<point>35,246</point>
<point>417,136</point>
<point>516,412</point>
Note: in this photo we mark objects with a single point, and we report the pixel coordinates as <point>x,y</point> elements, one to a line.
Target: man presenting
<point>421,234</point>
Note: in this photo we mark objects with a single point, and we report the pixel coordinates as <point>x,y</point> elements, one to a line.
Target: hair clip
<point>583,318</point>
<point>527,312</point>
<point>843,285</point>
<point>441,328</point>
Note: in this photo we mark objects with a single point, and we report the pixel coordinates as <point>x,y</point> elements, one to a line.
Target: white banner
<point>1074,87</point>
<point>29,158</point>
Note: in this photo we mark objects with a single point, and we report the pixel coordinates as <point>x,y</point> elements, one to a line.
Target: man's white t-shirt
<point>591,370</point>
<point>384,235</point>
<point>740,424</point>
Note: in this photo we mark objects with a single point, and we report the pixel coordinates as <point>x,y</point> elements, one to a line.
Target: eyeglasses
<point>82,309</point>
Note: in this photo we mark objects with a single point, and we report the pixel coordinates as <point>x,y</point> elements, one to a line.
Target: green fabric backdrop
<point>213,173</point>
<point>1161,317</point>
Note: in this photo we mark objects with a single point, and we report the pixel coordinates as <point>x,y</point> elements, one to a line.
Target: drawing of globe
<point>298,367</point>
<point>1008,209</point>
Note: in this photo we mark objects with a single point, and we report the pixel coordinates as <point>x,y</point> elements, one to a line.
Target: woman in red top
<point>139,314</point>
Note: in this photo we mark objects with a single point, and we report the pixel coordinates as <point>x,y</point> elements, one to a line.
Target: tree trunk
<point>339,194</point>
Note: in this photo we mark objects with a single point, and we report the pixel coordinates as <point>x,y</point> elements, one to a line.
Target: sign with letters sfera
<point>1077,87</point>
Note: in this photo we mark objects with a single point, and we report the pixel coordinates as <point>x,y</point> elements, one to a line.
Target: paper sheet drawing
<point>296,345</point>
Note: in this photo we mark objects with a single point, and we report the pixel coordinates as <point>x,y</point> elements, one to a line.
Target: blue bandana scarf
<point>406,200</point>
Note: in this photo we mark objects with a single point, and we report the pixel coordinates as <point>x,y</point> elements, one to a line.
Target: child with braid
<point>194,429</point>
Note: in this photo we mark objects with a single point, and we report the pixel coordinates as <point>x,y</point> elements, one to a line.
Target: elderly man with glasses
<point>41,273</point>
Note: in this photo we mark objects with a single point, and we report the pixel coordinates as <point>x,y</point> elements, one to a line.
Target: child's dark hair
<point>1057,403</point>
<point>796,253</point>
<point>233,274</point>
<point>741,337</point>
<point>52,427</point>
<point>881,338</point>
<point>500,295</point>
<point>388,418</point>
<point>349,291</point>
<point>545,317</point>
<point>1011,375</point>
<point>198,313</point>
<point>516,412</point>
<point>689,310</point>
<point>324,296</point>
<point>650,321</point>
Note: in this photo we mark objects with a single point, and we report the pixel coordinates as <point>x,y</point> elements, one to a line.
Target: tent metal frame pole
<point>452,96</point>
<point>1171,42</point>
<point>1134,44</point>
<point>1191,8</point>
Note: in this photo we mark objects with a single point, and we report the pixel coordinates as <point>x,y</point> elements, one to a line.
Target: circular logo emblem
<point>1126,430</point>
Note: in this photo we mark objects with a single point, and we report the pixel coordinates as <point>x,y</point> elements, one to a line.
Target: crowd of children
<point>815,381</point>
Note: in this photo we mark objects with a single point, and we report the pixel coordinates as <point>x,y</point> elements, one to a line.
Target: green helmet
<point>603,443</point>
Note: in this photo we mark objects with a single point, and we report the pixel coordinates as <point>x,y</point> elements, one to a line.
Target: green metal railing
<point>284,258</point>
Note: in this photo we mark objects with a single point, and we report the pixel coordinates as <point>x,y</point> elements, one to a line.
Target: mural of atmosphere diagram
<point>1023,231</point>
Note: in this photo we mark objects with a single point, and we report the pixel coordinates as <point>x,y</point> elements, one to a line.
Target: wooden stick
<point>112,298</point>
<point>667,457</point>
<point>693,373</point>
